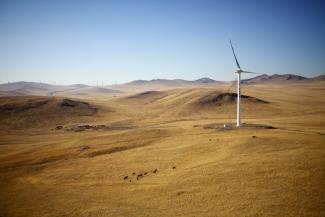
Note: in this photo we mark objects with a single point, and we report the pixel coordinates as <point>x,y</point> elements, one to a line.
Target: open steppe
<point>150,154</point>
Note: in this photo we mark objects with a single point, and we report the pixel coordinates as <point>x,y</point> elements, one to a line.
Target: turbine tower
<point>238,72</point>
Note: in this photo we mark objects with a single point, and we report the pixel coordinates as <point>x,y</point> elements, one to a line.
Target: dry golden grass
<point>280,172</point>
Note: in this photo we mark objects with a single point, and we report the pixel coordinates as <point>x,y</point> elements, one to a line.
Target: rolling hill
<point>168,163</point>
<point>23,112</point>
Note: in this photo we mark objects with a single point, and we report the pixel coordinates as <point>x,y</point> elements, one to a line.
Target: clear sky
<point>68,42</point>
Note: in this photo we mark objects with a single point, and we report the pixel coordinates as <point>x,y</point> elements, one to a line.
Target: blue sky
<point>68,42</point>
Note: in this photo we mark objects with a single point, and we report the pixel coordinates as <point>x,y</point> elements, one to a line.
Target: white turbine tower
<point>238,72</point>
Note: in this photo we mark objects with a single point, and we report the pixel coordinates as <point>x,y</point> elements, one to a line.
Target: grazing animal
<point>145,173</point>
<point>155,171</point>
<point>133,173</point>
<point>85,147</point>
<point>130,180</point>
<point>126,177</point>
<point>253,137</point>
<point>174,167</point>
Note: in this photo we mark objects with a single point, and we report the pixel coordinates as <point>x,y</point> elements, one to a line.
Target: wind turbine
<point>238,72</point>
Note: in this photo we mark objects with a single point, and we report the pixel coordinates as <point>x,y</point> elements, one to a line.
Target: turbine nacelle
<point>238,71</point>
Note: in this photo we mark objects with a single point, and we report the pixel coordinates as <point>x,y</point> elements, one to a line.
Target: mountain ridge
<point>35,88</point>
<point>275,78</point>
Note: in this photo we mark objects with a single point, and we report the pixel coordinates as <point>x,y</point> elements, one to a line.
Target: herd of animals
<point>140,175</point>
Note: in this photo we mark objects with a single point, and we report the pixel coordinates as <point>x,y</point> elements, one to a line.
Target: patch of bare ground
<point>83,127</point>
<point>222,98</point>
<point>228,126</point>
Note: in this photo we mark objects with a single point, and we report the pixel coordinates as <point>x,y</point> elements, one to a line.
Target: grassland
<point>46,171</point>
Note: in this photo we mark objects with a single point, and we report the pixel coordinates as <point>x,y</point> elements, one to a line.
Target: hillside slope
<point>169,163</point>
<point>31,111</point>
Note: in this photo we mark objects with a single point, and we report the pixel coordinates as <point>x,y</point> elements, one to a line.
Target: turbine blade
<point>251,72</point>
<point>233,51</point>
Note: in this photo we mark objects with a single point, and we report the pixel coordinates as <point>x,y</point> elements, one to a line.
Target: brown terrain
<point>151,148</point>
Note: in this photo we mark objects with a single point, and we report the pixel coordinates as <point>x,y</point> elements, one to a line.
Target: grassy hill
<point>25,112</point>
<point>168,163</point>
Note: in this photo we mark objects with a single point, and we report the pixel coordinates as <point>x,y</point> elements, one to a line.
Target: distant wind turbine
<point>238,72</point>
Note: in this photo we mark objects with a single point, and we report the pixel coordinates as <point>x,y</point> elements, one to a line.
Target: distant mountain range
<point>174,81</point>
<point>42,89</point>
<point>274,78</point>
<point>163,84</point>
<point>34,88</point>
